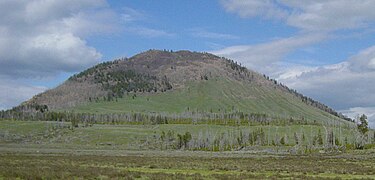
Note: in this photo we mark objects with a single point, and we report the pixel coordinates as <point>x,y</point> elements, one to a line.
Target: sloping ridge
<point>182,80</point>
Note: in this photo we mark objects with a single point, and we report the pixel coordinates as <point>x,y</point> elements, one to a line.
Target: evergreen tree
<point>363,124</point>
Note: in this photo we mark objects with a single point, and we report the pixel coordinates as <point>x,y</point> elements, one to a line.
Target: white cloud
<point>134,20</point>
<point>264,8</point>
<point>330,15</point>
<point>358,111</point>
<point>291,71</point>
<point>203,33</point>
<point>320,15</point>
<point>267,54</point>
<point>41,11</point>
<point>43,38</point>
<point>131,15</point>
<point>364,61</point>
<point>149,32</point>
<point>35,12</point>
<point>45,54</point>
<point>40,39</point>
<point>344,85</point>
<point>87,23</point>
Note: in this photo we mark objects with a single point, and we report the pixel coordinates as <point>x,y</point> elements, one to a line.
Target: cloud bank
<point>41,39</point>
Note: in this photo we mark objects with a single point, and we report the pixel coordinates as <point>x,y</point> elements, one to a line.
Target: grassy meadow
<point>180,166</point>
<point>55,150</point>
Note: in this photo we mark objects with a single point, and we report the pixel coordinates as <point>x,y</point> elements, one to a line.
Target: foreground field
<point>180,166</point>
<point>55,150</point>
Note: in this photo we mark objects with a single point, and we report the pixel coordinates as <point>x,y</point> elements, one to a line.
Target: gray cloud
<point>134,19</point>
<point>344,85</point>
<point>330,15</point>
<point>358,111</point>
<point>13,93</point>
<point>40,39</point>
<point>45,54</point>
<point>131,15</point>
<point>265,56</point>
<point>264,8</point>
<point>318,15</point>
<point>203,33</point>
<point>149,32</point>
<point>364,61</point>
<point>43,38</point>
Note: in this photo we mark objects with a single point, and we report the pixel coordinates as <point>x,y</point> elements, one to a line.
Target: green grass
<point>24,127</point>
<point>216,95</point>
<point>65,166</point>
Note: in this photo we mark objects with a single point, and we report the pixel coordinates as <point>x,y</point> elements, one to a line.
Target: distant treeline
<point>41,113</point>
<point>240,139</point>
<point>300,142</point>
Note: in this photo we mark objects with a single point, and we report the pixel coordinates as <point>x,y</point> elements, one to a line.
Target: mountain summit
<point>176,82</point>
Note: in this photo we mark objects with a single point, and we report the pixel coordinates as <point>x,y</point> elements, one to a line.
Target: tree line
<point>300,142</point>
<point>235,118</point>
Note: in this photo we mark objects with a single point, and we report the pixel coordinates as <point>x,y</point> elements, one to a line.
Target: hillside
<point>178,82</point>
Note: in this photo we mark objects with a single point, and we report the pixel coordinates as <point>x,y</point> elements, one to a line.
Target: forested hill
<point>178,81</point>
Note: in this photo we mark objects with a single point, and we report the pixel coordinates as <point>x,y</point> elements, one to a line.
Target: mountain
<point>178,82</point>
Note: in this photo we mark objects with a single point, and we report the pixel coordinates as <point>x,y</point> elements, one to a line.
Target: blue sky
<point>324,49</point>
<point>181,20</point>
